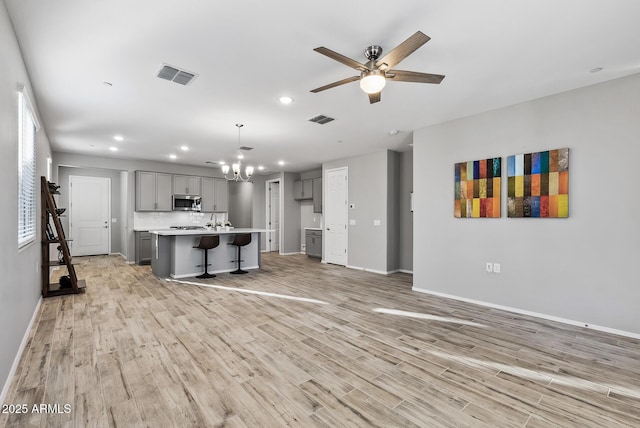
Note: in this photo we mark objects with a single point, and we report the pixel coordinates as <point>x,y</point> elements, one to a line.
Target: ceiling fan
<point>375,72</point>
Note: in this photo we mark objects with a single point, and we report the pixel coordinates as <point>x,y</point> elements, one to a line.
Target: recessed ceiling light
<point>113,149</point>
<point>286,100</point>
<point>184,148</point>
<point>394,132</point>
<point>172,156</point>
<point>596,70</point>
<point>281,162</point>
<point>118,137</point>
<point>260,167</point>
<point>221,163</point>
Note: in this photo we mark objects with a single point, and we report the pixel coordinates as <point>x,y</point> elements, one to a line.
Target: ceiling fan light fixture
<point>372,82</point>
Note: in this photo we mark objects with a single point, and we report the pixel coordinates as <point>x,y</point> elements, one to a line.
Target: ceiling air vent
<point>321,119</point>
<point>174,74</point>
<point>245,148</point>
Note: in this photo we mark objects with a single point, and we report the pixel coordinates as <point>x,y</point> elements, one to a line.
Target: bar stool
<point>240,240</point>
<point>206,243</point>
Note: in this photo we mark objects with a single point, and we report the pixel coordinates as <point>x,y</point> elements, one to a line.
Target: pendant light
<point>236,167</point>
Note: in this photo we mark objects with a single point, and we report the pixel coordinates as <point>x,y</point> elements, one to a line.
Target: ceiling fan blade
<point>402,51</point>
<point>414,76</point>
<point>374,98</point>
<point>341,58</point>
<point>334,84</point>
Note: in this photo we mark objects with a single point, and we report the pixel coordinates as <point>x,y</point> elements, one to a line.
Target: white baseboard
<point>379,272</point>
<point>410,272</point>
<point>290,254</point>
<point>16,361</point>
<point>533,314</point>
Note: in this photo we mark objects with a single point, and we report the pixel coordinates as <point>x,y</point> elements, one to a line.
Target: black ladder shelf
<point>51,211</point>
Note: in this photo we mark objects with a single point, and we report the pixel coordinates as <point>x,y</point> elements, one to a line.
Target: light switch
<point>376,222</point>
<point>352,222</point>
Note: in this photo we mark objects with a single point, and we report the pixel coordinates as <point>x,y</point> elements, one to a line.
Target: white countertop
<point>178,232</point>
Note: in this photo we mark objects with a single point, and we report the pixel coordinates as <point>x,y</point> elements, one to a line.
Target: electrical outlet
<point>489,267</point>
<point>496,267</point>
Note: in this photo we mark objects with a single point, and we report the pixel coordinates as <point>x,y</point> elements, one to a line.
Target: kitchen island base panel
<point>173,255</point>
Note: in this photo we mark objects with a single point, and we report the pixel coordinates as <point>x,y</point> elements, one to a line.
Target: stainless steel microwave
<point>187,202</point>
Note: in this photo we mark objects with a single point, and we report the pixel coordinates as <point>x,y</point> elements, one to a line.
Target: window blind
<point>27,129</point>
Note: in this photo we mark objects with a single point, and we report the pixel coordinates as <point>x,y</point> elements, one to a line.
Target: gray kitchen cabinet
<point>215,195</point>
<point>303,189</point>
<point>186,185</point>
<point>153,191</point>
<point>143,247</point>
<point>317,195</point>
<point>313,243</point>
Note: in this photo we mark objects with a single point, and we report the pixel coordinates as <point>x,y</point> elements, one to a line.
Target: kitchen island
<point>173,255</point>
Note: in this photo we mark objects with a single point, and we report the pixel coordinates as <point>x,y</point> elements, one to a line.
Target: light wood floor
<point>138,351</point>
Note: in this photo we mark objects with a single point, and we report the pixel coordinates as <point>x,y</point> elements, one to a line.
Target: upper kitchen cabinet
<point>317,195</point>
<point>153,191</point>
<point>186,185</point>
<point>303,189</point>
<point>215,195</point>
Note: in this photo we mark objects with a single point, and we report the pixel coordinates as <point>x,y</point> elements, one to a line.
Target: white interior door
<point>273,215</point>
<point>335,212</point>
<point>90,210</point>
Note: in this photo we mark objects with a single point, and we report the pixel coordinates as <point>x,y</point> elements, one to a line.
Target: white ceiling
<point>494,53</point>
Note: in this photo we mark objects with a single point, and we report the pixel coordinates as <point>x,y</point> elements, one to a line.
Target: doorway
<point>273,215</point>
<point>89,215</point>
<point>336,213</point>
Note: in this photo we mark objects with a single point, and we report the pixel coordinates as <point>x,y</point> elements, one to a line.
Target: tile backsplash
<point>164,220</point>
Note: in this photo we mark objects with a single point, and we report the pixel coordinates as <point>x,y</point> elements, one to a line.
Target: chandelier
<point>236,167</point>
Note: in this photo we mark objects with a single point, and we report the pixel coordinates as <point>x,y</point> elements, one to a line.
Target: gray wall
<point>20,282</point>
<point>240,203</point>
<point>367,190</point>
<point>393,211</point>
<point>405,216</point>
<point>116,200</point>
<point>584,268</point>
<point>124,216</point>
<point>258,202</point>
<point>289,215</point>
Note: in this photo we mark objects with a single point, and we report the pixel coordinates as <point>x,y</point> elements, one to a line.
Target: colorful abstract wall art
<point>477,188</point>
<point>538,184</point>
